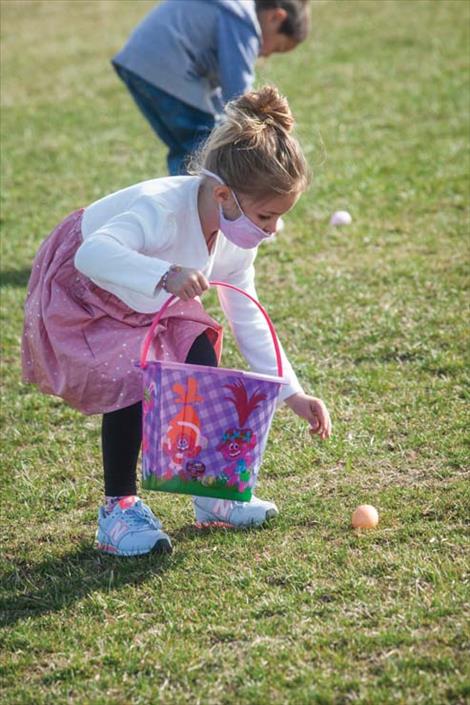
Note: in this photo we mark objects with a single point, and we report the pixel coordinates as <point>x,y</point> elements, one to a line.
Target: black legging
<point>121,432</point>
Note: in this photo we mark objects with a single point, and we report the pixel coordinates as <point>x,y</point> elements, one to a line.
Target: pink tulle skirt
<point>82,343</point>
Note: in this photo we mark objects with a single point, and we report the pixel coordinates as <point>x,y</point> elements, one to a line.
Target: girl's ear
<point>221,193</point>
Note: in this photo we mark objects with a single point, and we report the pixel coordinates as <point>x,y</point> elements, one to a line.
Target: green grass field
<point>374,317</point>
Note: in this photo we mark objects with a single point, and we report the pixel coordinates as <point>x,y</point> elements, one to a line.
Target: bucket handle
<point>148,338</point>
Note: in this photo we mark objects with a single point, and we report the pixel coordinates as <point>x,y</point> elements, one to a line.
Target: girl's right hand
<point>186,283</point>
<point>312,410</point>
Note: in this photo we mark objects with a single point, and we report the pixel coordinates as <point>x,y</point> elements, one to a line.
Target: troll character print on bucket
<point>237,444</point>
<point>183,439</point>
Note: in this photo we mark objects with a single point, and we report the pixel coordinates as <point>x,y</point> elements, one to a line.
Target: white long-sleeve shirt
<point>130,239</point>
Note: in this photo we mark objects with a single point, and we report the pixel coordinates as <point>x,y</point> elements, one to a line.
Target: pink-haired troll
<point>237,443</point>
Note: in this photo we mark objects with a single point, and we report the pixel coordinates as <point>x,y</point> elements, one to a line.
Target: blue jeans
<point>179,125</point>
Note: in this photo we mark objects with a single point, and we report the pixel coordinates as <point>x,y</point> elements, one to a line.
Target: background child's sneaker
<point>252,513</point>
<point>131,529</point>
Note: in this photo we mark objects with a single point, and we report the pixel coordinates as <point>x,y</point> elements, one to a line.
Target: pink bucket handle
<point>148,338</point>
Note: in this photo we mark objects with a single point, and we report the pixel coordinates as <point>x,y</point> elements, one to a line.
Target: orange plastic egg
<point>365,517</point>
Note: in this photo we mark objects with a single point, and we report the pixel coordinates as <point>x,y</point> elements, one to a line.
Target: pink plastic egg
<point>341,218</point>
<point>365,517</point>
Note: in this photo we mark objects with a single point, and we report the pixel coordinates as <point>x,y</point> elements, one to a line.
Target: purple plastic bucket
<point>205,428</point>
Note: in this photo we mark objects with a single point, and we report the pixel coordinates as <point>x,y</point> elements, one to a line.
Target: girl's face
<point>265,212</point>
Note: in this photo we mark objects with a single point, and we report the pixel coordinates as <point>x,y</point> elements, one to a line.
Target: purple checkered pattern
<point>216,413</point>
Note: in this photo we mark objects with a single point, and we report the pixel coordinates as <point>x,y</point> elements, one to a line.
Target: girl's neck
<point>208,213</point>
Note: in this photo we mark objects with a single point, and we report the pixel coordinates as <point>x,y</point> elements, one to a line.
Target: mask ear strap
<point>237,202</point>
<point>206,172</point>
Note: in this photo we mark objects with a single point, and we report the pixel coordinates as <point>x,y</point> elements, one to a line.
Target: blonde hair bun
<point>267,106</point>
<point>253,149</point>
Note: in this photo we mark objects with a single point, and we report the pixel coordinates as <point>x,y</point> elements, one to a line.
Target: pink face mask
<point>241,231</point>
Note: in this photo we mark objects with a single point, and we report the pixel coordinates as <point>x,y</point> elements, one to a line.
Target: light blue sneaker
<point>236,514</point>
<point>131,529</point>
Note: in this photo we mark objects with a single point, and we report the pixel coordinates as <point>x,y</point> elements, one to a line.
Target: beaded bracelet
<point>163,280</point>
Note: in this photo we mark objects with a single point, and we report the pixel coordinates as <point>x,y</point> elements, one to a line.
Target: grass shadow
<point>194,530</point>
<point>15,277</point>
<point>61,580</point>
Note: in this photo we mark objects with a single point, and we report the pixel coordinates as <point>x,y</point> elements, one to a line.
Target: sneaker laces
<point>136,517</point>
<point>151,516</point>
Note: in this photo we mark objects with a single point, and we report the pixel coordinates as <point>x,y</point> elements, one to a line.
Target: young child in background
<point>187,58</point>
<point>101,275</point>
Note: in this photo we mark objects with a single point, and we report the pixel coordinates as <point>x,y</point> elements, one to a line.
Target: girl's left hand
<point>312,410</point>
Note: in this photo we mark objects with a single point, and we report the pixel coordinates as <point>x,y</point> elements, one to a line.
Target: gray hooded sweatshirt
<point>202,52</point>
